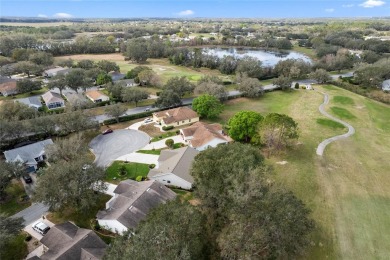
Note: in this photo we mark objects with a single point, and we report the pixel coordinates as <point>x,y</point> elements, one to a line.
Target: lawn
<point>13,203</point>
<point>346,189</point>
<point>342,113</point>
<point>130,171</point>
<point>154,152</point>
<point>329,123</point>
<point>307,51</point>
<point>16,249</point>
<point>162,136</point>
<point>343,100</point>
<point>81,219</point>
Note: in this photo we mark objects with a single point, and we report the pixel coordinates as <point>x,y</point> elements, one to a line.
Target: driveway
<point>121,142</point>
<point>30,187</point>
<point>321,147</point>
<point>32,213</point>
<point>34,233</point>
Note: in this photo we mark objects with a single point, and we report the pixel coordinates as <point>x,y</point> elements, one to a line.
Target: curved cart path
<point>321,147</point>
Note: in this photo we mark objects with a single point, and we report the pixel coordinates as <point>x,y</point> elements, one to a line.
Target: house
<point>128,82</point>
<point>174,167</point>
<point>30,154</point>
<point>96,96</point>
<point>176,117</point>
<point>69,242</point>
<point>34,102</point>
<point>8,86</point>
<point>131,203</point>
<point>201,135</point>
<point>55,71</point>
<point>53,100</point>
<point>116,75</point>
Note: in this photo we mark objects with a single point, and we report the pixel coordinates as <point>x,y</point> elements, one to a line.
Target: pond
<point>268,58</point>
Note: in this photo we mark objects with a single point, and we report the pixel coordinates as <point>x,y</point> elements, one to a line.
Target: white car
<point>41,227</point>
<point>148,120</point>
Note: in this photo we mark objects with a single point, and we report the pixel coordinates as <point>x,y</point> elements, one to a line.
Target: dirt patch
<point>150,129</point>
<point>194,202</point>
<point>33,244</point>
<point>94,57</point>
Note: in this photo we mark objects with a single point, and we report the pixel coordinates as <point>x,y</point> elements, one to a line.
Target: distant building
<point>30,155</point>
<point>176,117</point>
<point>386,85</point>
<point>128,82</point>
<point>56,71</point>
<point>174,167</point>
<point>53,100</point>
<point>96,96</point>
<point>131,203</point>
<point>116,75</point>
<point>8,86</point>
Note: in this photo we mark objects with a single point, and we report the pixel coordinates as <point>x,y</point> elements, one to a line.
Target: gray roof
<point>126,81</point>
<point>27,153</point>
<point>386,85</point>
<point>134,200</point>
<point>6,80</point>
<point>115,75</point>
<point>176,161</point>
<point>67,241</point>
<point>51,97</point>
<point>34,101</point>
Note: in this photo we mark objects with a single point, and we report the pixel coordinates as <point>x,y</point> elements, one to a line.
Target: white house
<point>96,96</point>
<point>131,203</point>
<point>202,136</point>
<point>29,155</point>
<point>53,100</point>
<point>174,167</point>
<point>386,85</point>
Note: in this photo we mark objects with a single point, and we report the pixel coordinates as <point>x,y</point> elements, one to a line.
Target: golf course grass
<point>347,188</point>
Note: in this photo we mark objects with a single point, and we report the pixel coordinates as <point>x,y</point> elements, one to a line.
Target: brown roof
<point>8,87</point>
<point>95,94</point>
<point>51,97</point>
<point>134,200</point>
<point>67,241</point>
<point>177,114</point>
<point>203,133</point>
<point>176,161</point>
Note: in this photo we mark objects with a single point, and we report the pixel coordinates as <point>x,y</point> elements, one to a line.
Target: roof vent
<point>130,207</point>
<point>148,189</point>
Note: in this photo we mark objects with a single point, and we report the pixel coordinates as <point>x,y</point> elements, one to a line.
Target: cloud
<point>329,10</point>
<point>348,5</point>
<point>185,13</point>
<point>62,15</point>
<point>42,15</point>
<point>372,3</point>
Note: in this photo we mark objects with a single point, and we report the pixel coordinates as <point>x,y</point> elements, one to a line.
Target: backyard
<point>119,171</point>
<point>16,199</point>
<point>347,188</point>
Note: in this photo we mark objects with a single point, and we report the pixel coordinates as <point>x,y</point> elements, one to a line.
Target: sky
<point>194,8</point>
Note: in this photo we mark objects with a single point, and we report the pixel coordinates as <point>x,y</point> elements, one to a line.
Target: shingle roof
<point>115,75</point>
<point>177,114</point>
<point>8,87</point>
<point>134,200</point>
<point>95,94</point>
<point>203,133</point>
<point>28,152</point>
<point>176,161</point>
<point>67,241</point>
<point>51,97</point>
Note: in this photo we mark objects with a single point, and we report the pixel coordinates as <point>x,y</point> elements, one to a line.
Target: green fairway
<point>346,189</point>
<point>342,113</point>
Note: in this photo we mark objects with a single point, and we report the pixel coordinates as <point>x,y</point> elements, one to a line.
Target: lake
<point>268,58</point>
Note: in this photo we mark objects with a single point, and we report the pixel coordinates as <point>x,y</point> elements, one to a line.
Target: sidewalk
<point>140,158</point>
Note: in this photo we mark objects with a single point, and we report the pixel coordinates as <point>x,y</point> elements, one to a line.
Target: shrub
<point>139,178</point>
<point>97,226</point>
<point>177,132</point>
<point>297,85</point>
<point>169,143</point>
<point>28,238</point>
<point>166,128</point>
<point>151,166</point>
<point>303,87</point>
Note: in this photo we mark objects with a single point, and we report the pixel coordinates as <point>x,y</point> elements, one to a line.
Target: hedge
<point>167,128</point>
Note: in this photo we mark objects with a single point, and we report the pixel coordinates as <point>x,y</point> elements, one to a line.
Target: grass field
<point>161,66</point>
<point>131,171</point>
<point>329,123</point>
<point>12,204</point>
<point>16,249</point>
<point>346,189</point>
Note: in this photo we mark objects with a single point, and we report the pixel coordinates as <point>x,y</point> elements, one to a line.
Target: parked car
<point>41,227</point>
<point>147,109</point>
<point>27,178</point>
<point>148,120</point>
<point>107,131</point>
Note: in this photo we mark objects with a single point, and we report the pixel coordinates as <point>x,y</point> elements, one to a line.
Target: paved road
<point>111,146</point>
<point>32,213</point>
<point>321,147</point>
<point>344,75</point>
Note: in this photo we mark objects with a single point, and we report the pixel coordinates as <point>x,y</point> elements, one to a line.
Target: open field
<point>347,188</point>
<point>161,66</point>
<point>38,24</point>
